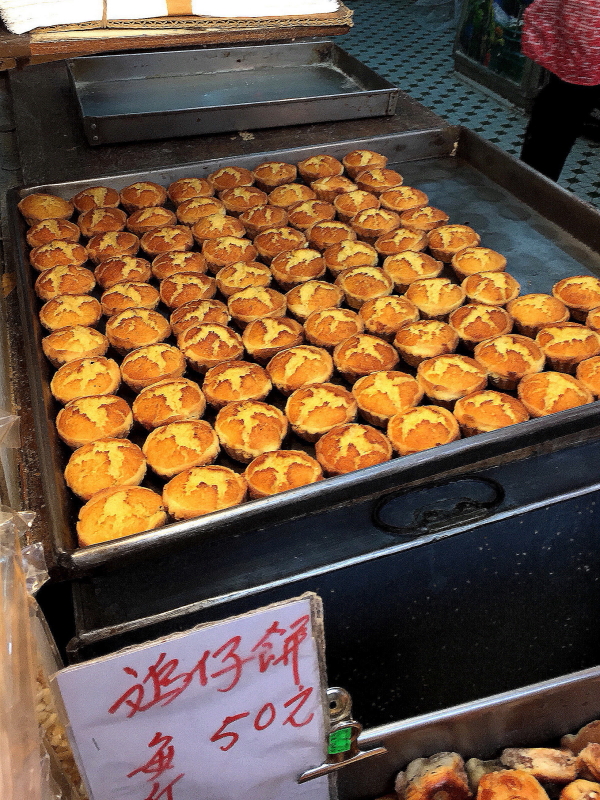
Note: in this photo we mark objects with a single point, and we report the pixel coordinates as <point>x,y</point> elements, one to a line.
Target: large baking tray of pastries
<point>483,194</point>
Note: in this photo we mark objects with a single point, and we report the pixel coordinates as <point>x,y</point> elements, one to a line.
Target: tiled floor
<point>410,43</point>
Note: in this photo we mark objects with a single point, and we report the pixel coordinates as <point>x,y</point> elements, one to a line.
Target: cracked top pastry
<point>188,188</point>
<point>509,358</point>
<point>146,219</point>
<point>299,366</point>
<point>349,204</point>
<point>170,400</point>
<point>476,322</point>
<point>398,241</point>
<point>180,445</point>
<point>331,326</point>
<point>423,218</point>
<point>102,220</point>
<point>472,260</point>
<point>312,296</point>
<point>39,206</point>
<point>346,448</point>
<point>492,288</point>
<point>384,316</point>
<point>195,313</point>
<point>549,392</point>
<point>447,240</point>
<point>142,194</point>
<point>117,512</point>
<point>192,211</point>
<point>57,253</point>
<point>377,179</point>
<point>66,310</point>
<point>565,344</point>
<point>256,303</point>
<point>151,363</point>
<point>227,250</point>
<point>207,344</point>
<point>185,287</point>
<point>532,311</point>
<point>271,174</point>
<point>201,490</point>
<point>580,293</point>
<point>261,218</point>
<point>77,341</point>
<point>380,395</point>
<point>214,226</point>
<point>168,264</point>
<point>360,284</point>
<point>329,232</point>
<point>588,373</point>
<point>235,380</point>
<point>403,198</point>
<point>372,223</point>
<point>349,253</point>
<point>103,464</point>
<point>488,410</point>
<point>422,427</point>
<point>297,266</point>
<point>279,471</point>
<point>47,230</point>
<point>273,241</point>
<point>319,166</point>
<point>264,338</point>
<point>357,161</point>
<point>249,427</point>
<point>242,275</point>
<point>409,266</point>
<point>423,339</point>
<point>332,186</point>
<point>113,244</point>
<point>315,409</point>
<point>136,327</point>
<point>240,198</point>
<point>128,294</point>
<point>446,378</point>
<point>230,176</point>
<point>85,376</point>
<point>123,268</point>
<point>167,239</point>
<point>361,354</point>
<point>435,297</point>
<point>288,194</point>
<point>86,419</point>
<point>303,215</point>
<point>96,197</point>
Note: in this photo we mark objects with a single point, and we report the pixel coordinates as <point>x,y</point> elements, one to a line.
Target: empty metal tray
<point>134,96</point>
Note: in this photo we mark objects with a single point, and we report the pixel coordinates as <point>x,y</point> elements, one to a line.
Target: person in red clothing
<point>564,37</point>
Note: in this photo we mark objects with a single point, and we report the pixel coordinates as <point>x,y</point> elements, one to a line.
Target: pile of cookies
<point>287,299</point>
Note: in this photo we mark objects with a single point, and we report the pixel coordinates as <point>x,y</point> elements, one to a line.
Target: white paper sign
<point>226,711</point>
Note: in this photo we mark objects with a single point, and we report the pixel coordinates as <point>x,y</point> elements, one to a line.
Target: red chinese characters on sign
<point>159,763</point>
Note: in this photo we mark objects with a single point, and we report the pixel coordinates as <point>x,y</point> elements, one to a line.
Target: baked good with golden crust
<point>66,310</point>
<point>168,264</point>
<point>102,220</point>
<point>380,395</point>
<point>215,226</point>
<point>532,311</point>
<point>580,790</point>
<point>447,240</point>
<point>142,194</point>
<point>303,215</point>
<point>357,161</point>
<point>57,253</point>
<point>510,783</point>
<point>112,245</point>
<point>361,354</point>
<point>565,344</point>
<point>271,174</point>
<point>360,284</point>
<point>180,445</point>
<point>207,344</point>
<point>349,253</point>
<point>580,293</point>
<point>118,512</point>
<point>422,427</point>
<point>589,761</point>
<point>377,179</point>
<point>548,392</point>
<point>384,316</point>
<point>82,377</point>
<point>492,288</point>
<point>92,417</point>
<point>400,240</point>
<point>48,230</point>
<point>227,250</point>
<point>423,218</point>
<point>427,778</point>
<point>446,378</point>
<point>349,204</point>
<point>136,327</point>
<point>588,373</point>
<point>476,322</point>
<point>261,218</point>
<point>167,239</point>
<point>279,471</point>
<point>166,401</point>
<point>593,320</point>
<point>242,275</point>
<point>264,338</point>
<point>332,186</point>
<point>103,464</point>
<point>185,287</point>
<point>423,339</point>
<point>319,166</point>
<point>330,326</point>
<point>188,188</point>
<point>192,211</point>
<point>409,266</point>
<point>471,260</point>
<point>509,358</point>
<point>248,428</point>
<point>124,268</point>
<point>96,197</point>
<point>487,410</point>
<point>202,490</point>
<point>197,312</point>
<point>311,296</point>
<point>299,366</point>
<point>324,234</point>
<point>77,341</point>
<point>230,176</point>
<point>544,763</point>
<point>297,266</point>
<point>241,198</point>
<point>403,198</point>
<point>256,303</point>
<point>39,206</point>
<point>346,448</point>
<point>372,223</point>
<point>151,363</point>
<point>128,294</point>
<point>273,241</point>
<point>435,298</point>
<point>288,194</point>
<point>231,381</point>
<point>315,409</point>
<point>146,219</point>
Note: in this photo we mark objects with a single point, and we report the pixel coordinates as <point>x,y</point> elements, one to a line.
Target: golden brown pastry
<point>548,392</point>
<point>231,381</point>
<point>299,366</point>
<point>472,260</point>
<point>37,207</point>
<point>57,253</point>
<point>256,303</point>
<point>346,448</point>
<point>125,268</point>
<point>64,280</point>
<point>331,326</point>
<point>588,761</point>
<point>215,226</point>
<point>146,219</point>
<point>422,427</point>
<point>360,284</point>
<point>102,220</point>
<point>128,294</point>
<point>348,205</point>
<point>384,316</point>
<point>271,174</point>
<point>273,241</point>
<point>373,223</point>
<point>588,373</point>
<point>447,240</point>
<point>581,790</point>
<point>197,312</point>
<point>112,245</point>
<point>230,176</point>
<point>288,194</point>
<point>357,161</point>
<point>279,471</point>
<point>312,296</point>
<point>476,322</point>
<point>261,218</point>
<point>86,419</point>
<point>593,320</point>
<point>241,198</point>
<point>544,763</point>
<point>580,293</point>
<point>423,339</point>
<point>315,409</point>
<point>423,218</point>
<point>188,188</point>
<point>151,363</point>
<point>96,197</point>
<point>380,395</point>
<point>332,186</point>
<point>103,464</point>
<point>509,784</point>
<point>297,266</point>
<point>168,264</point>
<point>77,341</point>
<point>303,215</point>
<point>446,378</point>
<point>85,376</point>
<point>185,287</point>
<point>409,266</point>
<point>488,410</point>
<point>532,311</point>
<point>242,275</point>
<point>142,194</point>
<point>264,338</point>
<point>349,253</point>
<point>399,241</point>
<point>565,344</point>
<point>509,358</point>
<point>324,234</point>
<point>201,490</point>
<point>167,239</point>
<point>172,448</point>
<point>492,288</point>
<point>361,354</point>
<point>49,230</point>
<point>207,344</point>
<point>377,179</point>
<point>248,428</point>
<point>403,198</point>
<point>227,250</point>
<point>192,211</point>
<point>429,778</point>
<point>117,512</point>
<point>435,298</point>
<point>170,400</point>
<point>136,327</point>
<point>319,166</point>
<point>66,310</point>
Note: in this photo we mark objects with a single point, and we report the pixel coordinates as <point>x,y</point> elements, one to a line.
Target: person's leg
<point>557,118</point>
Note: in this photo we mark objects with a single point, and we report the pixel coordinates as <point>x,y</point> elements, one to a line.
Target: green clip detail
<point>340,741</point>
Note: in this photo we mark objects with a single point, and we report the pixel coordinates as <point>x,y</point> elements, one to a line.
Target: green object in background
<point>340,741</point>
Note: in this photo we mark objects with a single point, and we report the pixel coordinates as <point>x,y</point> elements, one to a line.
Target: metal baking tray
<point>533,716</point>
<point>546,234</point>
<point>161,94</point>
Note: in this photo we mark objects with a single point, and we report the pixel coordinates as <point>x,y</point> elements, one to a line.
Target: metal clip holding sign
<point>342,745</point>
